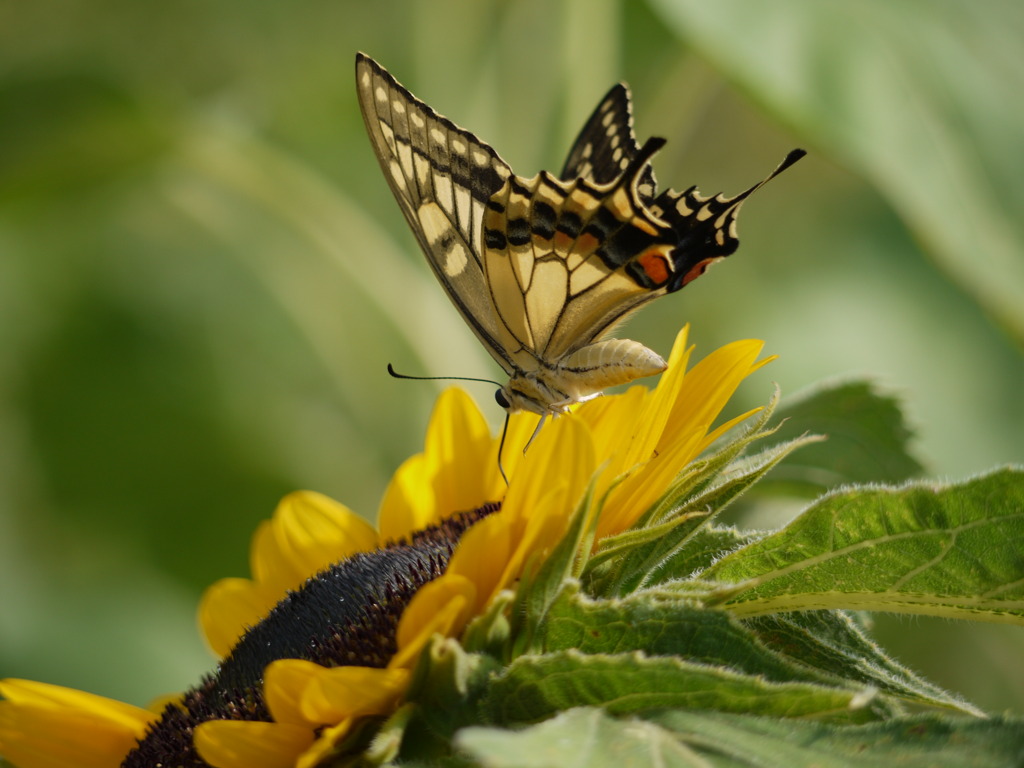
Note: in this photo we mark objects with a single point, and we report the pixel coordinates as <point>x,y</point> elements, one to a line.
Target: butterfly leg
<point>535,432</point>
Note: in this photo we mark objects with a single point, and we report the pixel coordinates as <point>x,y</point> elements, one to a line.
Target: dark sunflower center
<point>346,615</point>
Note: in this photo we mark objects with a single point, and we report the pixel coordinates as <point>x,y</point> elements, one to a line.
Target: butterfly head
<point>527,392</point>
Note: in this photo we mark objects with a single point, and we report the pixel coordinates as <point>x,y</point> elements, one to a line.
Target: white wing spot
<point>397,175</point>
<point>389,135</point>
<point>398,106</point>
<point>417,119</point>
<point>443,191</point>
<point>422,171</point>
<point>588,150</point>
<point>366,77</point>
<point>459,146</point>
<point>615,140</point>
<point>446,247</point>
<point>455,259</point>
<point>381,94</point>
<point>480,157</point>
<point>617,154</point>
<point>437,135</point>
<point>607,119</point>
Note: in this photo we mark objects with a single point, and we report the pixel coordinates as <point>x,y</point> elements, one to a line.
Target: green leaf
<point>628,560</point>
<point>917,97</point>
<point>579,737</point>
<point>954,551</point>
<point>589,737</point>
<point>446,685</point>
<point>642,622</point>
<point>704,548</point>
<point>655,560</point>
<point>534,688</point>
<point>535,595</point>
<point>867,438</point>
<point>835,645</point>
<point>915,742</point>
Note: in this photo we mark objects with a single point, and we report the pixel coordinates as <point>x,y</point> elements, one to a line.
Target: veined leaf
<point>913,742</point>
<point>954,551</point>
<point>534,688</point>
<point>833,643</point>
<point>666,627</point>
<point>688,739</point>
<point>579,737</point>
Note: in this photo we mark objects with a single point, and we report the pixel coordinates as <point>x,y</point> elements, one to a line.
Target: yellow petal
<point>344,692</point>
<point>708,386</point>
<point>303,693</point>
<point>408,504</point>
<point>441,607</point>
<point>562,453</point>
<point>546,490</point>
<point>316,531</point>
<point>46,726</point>
<point>540,533</point>
<point>610,419</point>
<point>158,704</point>
<point>457,447</point>
<point>243,744</point>
<point>267,563</point>
<point>324,746</point>
<point>229,607</point>
<point>284,683</point>
<point>453,474</point>
<point>518,430</point>
<point>726,426</point>
<point>639,491</point>
<point>19,691</point>
<point>481,555</point>
<point>680,354</point>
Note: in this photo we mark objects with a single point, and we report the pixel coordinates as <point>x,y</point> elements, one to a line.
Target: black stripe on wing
<point>440,161</point>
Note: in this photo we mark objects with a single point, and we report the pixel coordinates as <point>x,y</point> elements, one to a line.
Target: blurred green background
<point>203,273</point>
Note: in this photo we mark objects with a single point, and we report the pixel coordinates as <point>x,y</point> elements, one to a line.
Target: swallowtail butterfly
<point>543,268</point>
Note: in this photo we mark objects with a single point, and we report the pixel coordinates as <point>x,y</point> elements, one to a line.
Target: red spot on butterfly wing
<point>699,269</point>
<point>655,265</point>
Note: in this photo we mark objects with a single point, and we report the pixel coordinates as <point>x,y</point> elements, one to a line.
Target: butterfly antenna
<point>396,375</point>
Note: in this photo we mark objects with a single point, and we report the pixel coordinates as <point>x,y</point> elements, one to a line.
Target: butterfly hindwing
<point>606,144</point>
<point>583,255</point>
<point>442,177</point>
<point>705,227</point>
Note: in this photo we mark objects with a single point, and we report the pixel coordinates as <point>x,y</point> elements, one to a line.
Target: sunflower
<point>451,539</point>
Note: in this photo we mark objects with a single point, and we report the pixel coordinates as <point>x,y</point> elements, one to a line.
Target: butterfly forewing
<point>442,177</point>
